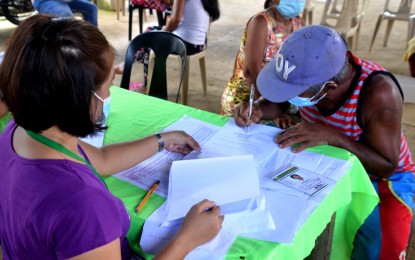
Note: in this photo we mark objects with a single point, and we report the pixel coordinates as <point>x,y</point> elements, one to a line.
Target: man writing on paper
<point>352,104</point>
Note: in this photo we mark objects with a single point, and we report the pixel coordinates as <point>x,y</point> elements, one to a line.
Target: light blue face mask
<point>290,8</point>
<point>105,109</point>
<point>303,102</point>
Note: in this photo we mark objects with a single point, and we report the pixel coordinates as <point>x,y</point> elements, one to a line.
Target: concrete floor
<point>224,40</point>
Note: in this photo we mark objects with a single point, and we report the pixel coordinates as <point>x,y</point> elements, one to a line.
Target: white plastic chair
<point>403,14</point>
<point>308,11</point>
<point>348,20</point>
<point>185,83</point>
<point>331,11</point>
<point>120,4</point>
<point>185,87</point>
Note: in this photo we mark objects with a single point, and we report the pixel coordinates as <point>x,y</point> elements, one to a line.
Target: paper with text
<point>158,166</point>
<point>234,140</point>
<point>154,237</point>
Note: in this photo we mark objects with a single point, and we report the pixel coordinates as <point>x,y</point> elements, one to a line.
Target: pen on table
<point>251,102</point>
<point>143,202</point>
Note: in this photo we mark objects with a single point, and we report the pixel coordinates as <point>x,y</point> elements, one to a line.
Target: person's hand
<point>307,135</point>
<point>179,142</point>
<point>201,224</point>
<point>242,114</point>
<point>284,121</point>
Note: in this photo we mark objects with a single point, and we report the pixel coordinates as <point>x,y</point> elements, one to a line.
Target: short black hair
<point>50,70</point>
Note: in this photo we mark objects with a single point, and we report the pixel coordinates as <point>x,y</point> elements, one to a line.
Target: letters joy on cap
<point>309,56</point>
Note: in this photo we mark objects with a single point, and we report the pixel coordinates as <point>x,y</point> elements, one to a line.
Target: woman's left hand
<point>180,142</point>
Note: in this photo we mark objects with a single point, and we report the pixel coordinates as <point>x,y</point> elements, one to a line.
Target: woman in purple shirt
<point>54,78</point>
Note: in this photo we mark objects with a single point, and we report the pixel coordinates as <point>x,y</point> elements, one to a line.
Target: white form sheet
<point>234,140</point>
<point>158,166</point>
<point>154,237</point>
<point>231,140</point>
<point>295,205</point>
<point>287,211</point>
<point>231,182</point>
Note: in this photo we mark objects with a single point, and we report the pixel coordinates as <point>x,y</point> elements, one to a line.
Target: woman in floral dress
<point>263,35</point>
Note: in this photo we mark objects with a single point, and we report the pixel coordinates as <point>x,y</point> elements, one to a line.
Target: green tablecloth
<point>134,115</point>
<point>4,120</point>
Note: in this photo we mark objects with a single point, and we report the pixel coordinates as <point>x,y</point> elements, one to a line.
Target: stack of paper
<point>231,182</point>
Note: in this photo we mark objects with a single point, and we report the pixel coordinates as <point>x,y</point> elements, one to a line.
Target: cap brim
<point>273,88</point>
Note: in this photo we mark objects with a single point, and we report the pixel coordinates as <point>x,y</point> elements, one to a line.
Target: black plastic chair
<point>162,44</point>
<point>131,7</point>
<point>161,17</point>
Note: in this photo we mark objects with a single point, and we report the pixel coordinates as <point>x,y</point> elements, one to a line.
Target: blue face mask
<point>290,8</point>
<point>105,109</point>
<point>303,102</point>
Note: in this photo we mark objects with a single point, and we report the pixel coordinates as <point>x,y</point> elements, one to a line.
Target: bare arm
<point>379,145</point>
<point>176,16</point>
<point>381,115</point>
<point>256,40</point>
<point>117,157</point>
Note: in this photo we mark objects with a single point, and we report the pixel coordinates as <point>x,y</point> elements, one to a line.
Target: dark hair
<point>50,70</point>
<point>212,8</point>
<point>267,4</point>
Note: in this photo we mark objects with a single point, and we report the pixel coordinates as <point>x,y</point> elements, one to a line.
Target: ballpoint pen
<point>143,202</point>
<point>251,102</point>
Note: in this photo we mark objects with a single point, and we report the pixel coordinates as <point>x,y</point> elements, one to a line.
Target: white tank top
<point>194,24</point>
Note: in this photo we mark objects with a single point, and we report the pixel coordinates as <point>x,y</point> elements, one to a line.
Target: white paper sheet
<point>157,167</point>
<point>286,211</point>
<point>234,140</point>
<point>229,181</point>
<point>154,237</point>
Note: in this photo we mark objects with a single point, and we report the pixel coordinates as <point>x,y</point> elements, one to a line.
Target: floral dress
<point>236,91</point>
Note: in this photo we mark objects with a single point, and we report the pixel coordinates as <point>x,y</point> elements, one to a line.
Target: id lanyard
<point>54,145</point>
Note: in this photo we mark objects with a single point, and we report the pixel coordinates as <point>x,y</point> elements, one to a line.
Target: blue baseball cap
<point>309,56</point>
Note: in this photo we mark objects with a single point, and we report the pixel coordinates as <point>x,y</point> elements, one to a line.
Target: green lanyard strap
<point>54,145</point>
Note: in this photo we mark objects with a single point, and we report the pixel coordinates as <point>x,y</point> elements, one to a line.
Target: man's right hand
<point>242,114</point>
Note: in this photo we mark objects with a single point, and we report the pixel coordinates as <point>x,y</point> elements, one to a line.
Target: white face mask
<point>105,109</point>
<point>303,102</point>
<point>290,8</point>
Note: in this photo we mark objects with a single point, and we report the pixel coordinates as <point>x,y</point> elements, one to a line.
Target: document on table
<point>303,180</point>
<point>158,166</point>
<point>287,212</point>
<point>154,237</point>
<point>234,140</point>
<point>231,182</point>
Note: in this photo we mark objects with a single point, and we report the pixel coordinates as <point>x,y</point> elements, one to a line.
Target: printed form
<point>231,140</point>
<point>158,166</point>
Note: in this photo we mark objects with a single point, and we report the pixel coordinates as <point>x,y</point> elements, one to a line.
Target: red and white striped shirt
<point>345,118</point>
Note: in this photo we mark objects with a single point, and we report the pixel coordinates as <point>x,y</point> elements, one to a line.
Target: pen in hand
<point>251,102</point>
<point>145,199</point>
